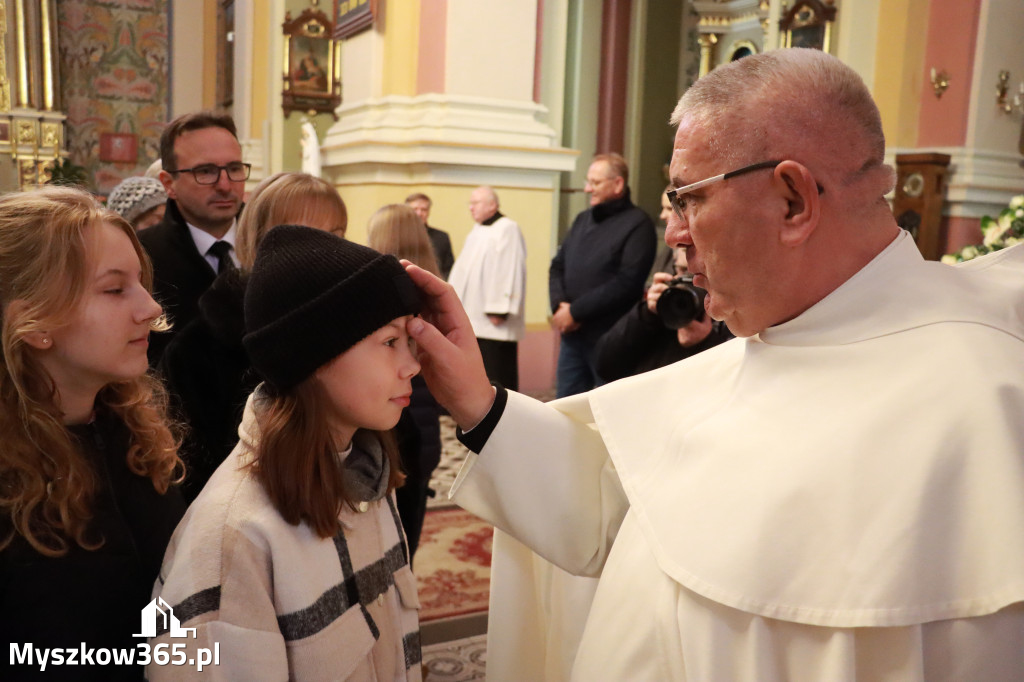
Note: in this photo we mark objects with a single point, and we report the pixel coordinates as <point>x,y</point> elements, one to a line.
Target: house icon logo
<point>158,615</point>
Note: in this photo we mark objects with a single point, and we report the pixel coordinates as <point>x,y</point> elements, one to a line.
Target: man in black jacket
<point>598,272</point>
<point>439,239</point>
<point>205,178</point>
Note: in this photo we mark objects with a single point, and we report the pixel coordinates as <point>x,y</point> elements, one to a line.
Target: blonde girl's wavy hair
<point>47,488</point>
<point>287,199</point>
<point>396,230</point>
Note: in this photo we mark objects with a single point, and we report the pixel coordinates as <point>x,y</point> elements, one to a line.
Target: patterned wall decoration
<point>113,72</point>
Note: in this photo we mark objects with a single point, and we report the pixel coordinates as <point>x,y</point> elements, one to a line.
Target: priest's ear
<point>802,195</point>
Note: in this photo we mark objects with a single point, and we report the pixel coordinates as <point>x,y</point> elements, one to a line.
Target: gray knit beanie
<point>312,295</point>
<point>134,196</point>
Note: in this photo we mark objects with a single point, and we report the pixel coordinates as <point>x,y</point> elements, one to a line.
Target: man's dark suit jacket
<point>180,274</point>
<point>442,244</point>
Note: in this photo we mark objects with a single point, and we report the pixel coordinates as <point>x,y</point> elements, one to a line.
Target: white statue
<point>310,149</point>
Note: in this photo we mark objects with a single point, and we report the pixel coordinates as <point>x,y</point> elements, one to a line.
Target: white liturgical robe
<point>840,497</point>
<point>489,277</point>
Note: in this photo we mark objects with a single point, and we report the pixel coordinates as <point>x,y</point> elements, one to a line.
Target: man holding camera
<point>669,325</point>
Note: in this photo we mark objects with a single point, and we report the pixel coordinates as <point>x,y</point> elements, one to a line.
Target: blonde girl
<point>87,460</point>
<point>398,230</point>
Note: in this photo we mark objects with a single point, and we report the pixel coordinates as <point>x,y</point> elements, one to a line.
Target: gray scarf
<point>367,469</point>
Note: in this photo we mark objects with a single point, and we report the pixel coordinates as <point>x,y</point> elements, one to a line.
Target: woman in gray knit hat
<point>141,201</point>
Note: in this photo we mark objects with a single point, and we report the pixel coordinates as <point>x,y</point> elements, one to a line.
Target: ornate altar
<point>31,123</point>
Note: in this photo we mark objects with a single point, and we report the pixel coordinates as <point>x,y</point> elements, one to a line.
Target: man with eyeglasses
<point>204,176</point>
<point>598,272</point>
<point>839,495</point>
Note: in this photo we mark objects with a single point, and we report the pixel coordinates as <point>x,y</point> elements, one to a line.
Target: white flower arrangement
<point>997,233</point>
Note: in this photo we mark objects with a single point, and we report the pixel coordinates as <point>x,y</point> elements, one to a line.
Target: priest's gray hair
<point>799,104</point>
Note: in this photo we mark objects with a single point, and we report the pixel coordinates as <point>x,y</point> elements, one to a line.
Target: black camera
<point>681,303</point>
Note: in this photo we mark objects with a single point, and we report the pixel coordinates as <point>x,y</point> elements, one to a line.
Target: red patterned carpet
<point>453,564</point>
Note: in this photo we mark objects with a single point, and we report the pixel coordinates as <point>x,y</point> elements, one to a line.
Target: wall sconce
<point>1003,101</point>
<point>940,81</point>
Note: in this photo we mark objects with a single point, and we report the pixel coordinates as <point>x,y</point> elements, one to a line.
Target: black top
<point>209,377</point>
<point>639,342</point>
<point>92,597</point>
<point>180,275</point>
<point>442,245</point>
<point>602,265</point>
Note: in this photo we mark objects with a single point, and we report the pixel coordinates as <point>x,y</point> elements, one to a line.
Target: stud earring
<point>46,341</point>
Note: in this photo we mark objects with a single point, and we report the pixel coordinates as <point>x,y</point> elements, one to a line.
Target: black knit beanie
<point>312,295</point>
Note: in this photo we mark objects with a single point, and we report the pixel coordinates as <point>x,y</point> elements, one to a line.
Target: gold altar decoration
<point>31,123</point>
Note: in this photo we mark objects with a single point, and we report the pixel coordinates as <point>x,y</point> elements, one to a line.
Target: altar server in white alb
<point>837,495</point>
<point>489,277</point>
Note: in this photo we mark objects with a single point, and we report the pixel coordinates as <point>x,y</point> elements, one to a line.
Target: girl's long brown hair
<point>297,459</point>
<point>47,488</point>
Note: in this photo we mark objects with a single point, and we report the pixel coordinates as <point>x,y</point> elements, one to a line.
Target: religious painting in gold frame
<point>312,65</point>
<point>808,23</point>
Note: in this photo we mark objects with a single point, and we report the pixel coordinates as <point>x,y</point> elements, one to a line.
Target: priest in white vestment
<point>836,495</point>
<point>489,277</point>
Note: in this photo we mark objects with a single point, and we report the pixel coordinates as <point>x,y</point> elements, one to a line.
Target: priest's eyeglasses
<point>209,174</point>
<point>677,197</point>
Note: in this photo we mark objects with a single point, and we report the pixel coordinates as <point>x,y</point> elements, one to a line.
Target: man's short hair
<point>418,196</point>
<point>617,165</point>
<point>798,93</point>
<point>196,120</point>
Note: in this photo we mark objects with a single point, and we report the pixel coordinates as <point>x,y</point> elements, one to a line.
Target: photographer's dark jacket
<point>601,266</point>
<point>91,596</point>
<point>639,342</point>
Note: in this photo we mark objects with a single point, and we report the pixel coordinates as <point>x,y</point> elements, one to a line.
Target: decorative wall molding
<point>254,151</point>
<point>444,139</point>
<point>981,181</point>
<point>437,117</point>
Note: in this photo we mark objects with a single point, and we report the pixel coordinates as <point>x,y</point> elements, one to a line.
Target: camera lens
<point>681,303</point>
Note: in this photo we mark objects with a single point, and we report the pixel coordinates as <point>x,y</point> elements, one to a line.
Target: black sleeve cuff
<point>477,437</point>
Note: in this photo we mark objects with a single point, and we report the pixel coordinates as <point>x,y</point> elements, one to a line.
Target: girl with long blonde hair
<point>87,460</point>
<point>397,229</point>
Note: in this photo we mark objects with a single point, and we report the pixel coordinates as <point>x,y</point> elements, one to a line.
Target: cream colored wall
<point>899,57</point>
<point>191,87</point>
<point>491,48</point>
<point>361,66</point>
<point>261,56</point>
<point>853,40</point>
<point>401,47</point>
<point>531,208</point>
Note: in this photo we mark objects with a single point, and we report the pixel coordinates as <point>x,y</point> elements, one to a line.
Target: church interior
<point>440,96</point>
<point>387,98</point>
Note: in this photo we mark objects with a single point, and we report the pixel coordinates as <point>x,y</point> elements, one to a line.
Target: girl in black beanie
<point>292,562</point>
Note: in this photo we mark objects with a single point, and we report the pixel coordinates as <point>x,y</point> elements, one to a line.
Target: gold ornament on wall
<point>940,81</point>
<point>808,23</point>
